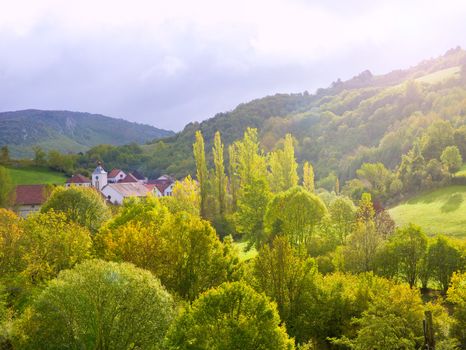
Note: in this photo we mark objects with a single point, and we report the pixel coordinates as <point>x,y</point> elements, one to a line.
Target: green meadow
<point>34,175</point>
<point>441,211</point>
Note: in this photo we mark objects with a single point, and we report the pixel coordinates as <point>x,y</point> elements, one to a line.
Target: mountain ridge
<point>69,131</point>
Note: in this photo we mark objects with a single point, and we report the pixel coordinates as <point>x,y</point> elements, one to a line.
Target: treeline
<point>166,273</point>
<point>431,163</point>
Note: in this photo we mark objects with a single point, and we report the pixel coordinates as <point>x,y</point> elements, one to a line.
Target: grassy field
<point>33,175</point>
<point>439,211</point>
<point>440,76</point>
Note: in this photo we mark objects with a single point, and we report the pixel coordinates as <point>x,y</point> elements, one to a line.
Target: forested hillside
<point>68,131</point>
<point>366,119</point>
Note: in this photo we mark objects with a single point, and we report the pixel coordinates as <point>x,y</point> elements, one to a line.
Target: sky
<point>168,63</point>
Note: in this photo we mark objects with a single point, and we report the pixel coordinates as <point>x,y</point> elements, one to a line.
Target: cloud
<point>170,62</point>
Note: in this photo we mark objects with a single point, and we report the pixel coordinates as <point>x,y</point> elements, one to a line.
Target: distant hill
<point>69,131</point>
<point>368,118</point>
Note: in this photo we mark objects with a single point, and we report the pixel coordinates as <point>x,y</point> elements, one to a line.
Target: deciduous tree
<point>6,188</point>
<point>201,171</point>
<point>98,305</point>
<point>308,177</point>
<point>294,213</point>
<point>283,167</point>
<point>231,316</point>
<point>82,205</point>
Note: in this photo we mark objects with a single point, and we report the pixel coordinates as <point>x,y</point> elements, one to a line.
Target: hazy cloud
<point>170,62</point>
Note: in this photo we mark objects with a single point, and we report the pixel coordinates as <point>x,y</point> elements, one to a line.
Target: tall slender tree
<point>6,188</point>
<point>308,177</point>
<point>283,167</point>
<point>254,192</point>
<point>233,172</point>
<point>220,177</point>
<point>201,170</point>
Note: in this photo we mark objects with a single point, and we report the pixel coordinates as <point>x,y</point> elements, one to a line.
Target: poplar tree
<point>254,192</point>
<point>308,177</point>
<point>233,171</point>
<point>201,170</point>
<point>220,177</point>
<point>283,167</point>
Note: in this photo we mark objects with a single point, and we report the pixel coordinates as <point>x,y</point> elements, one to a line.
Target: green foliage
<point>443,259</point>
<point>361,249</point>
<point>185,197</point>
<point>201,172</point>
<point>4,155</point>
<point>39,156</point>
<point>376,178</point>
<point>282,274</point>
<point>51,243</point>
<point>437,137</point>
<point>11,234</point>
<point>457,296</point>
<point>253,188</point>
<point>98,305</point>
<point>181,249</point>
<point>220,177</point>
<point>283,167</point>
<point>231,316</point>
<point>6,187</point>
<point>406,251</point>
<point>393,320</point>
<point>82,205</point>
<point>308,177</point>
<point>294,213</point>
<point>451,159</point>
<point>343,214</point>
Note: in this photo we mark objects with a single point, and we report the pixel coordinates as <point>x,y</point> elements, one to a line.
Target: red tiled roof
<point>129,178</point>
<point>161,185</point>
<point>113,173</point>
<point>138,175</point>
<point>78,179</point>
<point>30,194</point>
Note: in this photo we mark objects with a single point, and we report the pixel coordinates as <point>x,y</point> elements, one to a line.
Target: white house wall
<point>115,197</point>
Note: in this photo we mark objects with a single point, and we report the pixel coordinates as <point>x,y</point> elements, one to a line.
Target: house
<point>163,185</point>
<point>130,178</point>
<point>29,198</point>
<point>116,175</point>
<point>78,180</point>
<point>116,193</point>
<point>141,178</point>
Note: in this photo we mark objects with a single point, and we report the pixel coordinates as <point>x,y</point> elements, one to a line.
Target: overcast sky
<point>167,63</point>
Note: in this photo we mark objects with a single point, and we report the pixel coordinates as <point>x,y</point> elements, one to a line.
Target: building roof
<point>138,175</point>
<point>78,179</point>
<point>132,189</point>
<point>99,170</point>
<point>161,184</point>
<point>114,173</point>
<point>166,177</point>
<point>129,179</point>
<point>30,194</point>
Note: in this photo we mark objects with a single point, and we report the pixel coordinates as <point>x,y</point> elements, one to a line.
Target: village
<point>114,187</point>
